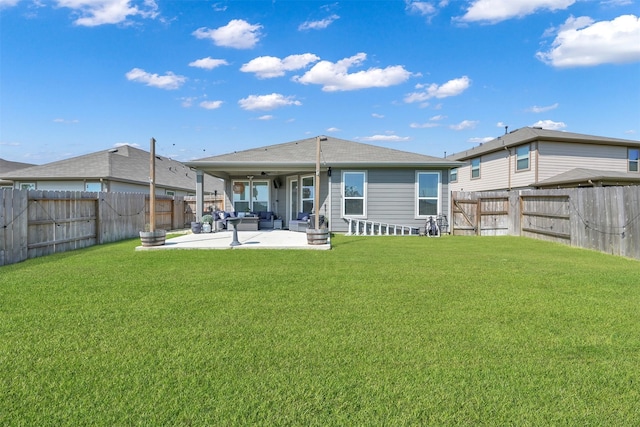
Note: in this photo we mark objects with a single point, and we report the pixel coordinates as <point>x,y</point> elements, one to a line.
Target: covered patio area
<point>261,239</point>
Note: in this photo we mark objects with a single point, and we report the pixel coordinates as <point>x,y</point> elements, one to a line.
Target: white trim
<point>364,196</point>
<point>417,195</point>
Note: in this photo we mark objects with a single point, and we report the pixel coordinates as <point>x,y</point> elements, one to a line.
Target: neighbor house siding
<point>523,178</point>
<point>494,173</point>
<point>60,185</point>
<point>391,196</point>
<point>557,157</point>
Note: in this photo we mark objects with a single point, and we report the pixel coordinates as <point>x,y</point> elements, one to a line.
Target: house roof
<point>7,166</point>
<point>302,155</point>
<point>124,164</point>
<point>578,176</point>
<point>530,134</point>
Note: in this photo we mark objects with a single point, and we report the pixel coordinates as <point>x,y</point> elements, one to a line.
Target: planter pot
<point>206,227</point>
<point>196,227</point>
<point>153,238</point>
<point>317,236</point>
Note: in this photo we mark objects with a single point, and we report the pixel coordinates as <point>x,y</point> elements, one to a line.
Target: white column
<point>199,194</point>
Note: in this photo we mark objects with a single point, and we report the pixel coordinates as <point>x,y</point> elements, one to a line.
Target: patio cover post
<point>199,194</point>
<point>316,202</point>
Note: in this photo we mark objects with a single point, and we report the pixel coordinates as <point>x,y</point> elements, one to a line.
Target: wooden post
<point>316,202</point>
<point>152,187</point>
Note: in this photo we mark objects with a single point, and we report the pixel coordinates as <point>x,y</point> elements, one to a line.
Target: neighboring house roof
<point>530,134</point>
<point>589,177</point>
<point>302,155</point>
<point>7,166</point>
<point>123,164</point>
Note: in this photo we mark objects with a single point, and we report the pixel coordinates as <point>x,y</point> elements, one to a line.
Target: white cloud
<point>267,102</point>
<point>451,88</point>
<point>99,12</point>
<point>426,125</point>
<point>335,76</point>
<point>420,7</point>
<point>169,81</point>
<point>211,105</point>
<point>333,130</point>
<point>480,140</point>
<point>318,25</point>
<point>124,144</point>
<point>269,66</point>
<point>536,109</point>
<point>549,124</point>
<point>581,42</point>
<point>385,138</point>
<point>237,33</point>
<point>500,10</point>
<point>73,121</point>
<point>465,124</point>
<point>266,117</point>
<point>8,3</point>
<point>377,116</point>
<point>208,63</point>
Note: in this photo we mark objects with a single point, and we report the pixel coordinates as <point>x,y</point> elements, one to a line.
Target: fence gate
<point>465,217</point>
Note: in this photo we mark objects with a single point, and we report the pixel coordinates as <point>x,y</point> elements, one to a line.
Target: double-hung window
<point>634,154</point>
<point>250,196</point>
<point>523,154</point>
<point>475,168</point>
<point>427,193</point>
<point>308,193</point>
<point>354,194</point>
<point>453,175</point>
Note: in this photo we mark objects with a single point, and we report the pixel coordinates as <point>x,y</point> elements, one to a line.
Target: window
<point>170,193</point>
<point>522,157</point>
<point>453,175</point>
<point>475,168</point>
<point>27,186</point>
<point>93,186</point>
<point>634,154</point>
<point>354,194</point>
<point>428,193</point>
<point>250,196</point>
<point>308,194</point>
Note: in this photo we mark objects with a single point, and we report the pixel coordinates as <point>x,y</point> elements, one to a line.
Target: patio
<point>261,239</point>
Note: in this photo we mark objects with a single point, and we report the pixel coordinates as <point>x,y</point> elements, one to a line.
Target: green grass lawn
<point>378,331</point>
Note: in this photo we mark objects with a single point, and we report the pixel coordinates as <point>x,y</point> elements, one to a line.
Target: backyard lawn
<point>378,331</point>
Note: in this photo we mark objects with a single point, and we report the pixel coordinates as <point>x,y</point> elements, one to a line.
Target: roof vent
<point>113,150</point>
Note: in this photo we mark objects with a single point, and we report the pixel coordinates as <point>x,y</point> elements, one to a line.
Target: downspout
<point>508,167</point>
<point>537,162</point>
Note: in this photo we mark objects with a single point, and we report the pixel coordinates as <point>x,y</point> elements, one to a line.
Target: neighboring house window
<point>634,154</point>
<point>250,196</point>
<point>428,193</point>
<point>93,186</point>
<point>170,193</point>
<point>453,175</point>
<point>354,191</point>
<point>475,168</point>
<point>308,194</point>
<point>27,186</point>
<point>522,157</point>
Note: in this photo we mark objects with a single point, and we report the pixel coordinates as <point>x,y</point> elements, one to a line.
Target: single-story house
<point>533,157</point>
<point>356,181</point>
<point>123,169</point>
<point>7,167</point>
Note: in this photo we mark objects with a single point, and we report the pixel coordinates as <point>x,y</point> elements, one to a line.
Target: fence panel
<point>121,216</point>
<point>13,225</point>
<point>605,219</point>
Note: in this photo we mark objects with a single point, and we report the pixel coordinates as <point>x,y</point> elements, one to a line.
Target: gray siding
<point>390,196</point>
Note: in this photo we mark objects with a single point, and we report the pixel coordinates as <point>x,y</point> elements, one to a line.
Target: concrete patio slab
<point>261,239</point>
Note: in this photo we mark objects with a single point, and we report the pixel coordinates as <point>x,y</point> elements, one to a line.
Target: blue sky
<point>211,77</point>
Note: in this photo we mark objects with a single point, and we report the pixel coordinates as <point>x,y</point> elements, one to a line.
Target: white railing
<point>362,227</point>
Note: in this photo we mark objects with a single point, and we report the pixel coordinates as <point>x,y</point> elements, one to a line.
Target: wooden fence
<point>34,223</point>
<point>605,219</point>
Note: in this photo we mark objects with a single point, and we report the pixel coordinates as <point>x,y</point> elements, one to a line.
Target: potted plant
<point>207,220</point>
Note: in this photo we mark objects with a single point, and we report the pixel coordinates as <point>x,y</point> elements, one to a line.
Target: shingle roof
<point>302,154</point>
<point>125,163</point>
<point>581,175</point>
<point>7,166</point>
<point>529,134</point>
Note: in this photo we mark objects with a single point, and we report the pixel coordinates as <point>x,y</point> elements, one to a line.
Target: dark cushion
<point>302,216</point>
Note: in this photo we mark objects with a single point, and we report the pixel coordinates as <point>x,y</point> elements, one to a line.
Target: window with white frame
<point>250,196</point>
<point>27,186</point>
<point>634,154</point>
<point>93,186</point>
<point>453,175</point>
<point>308,193</point>
<point>475,168</point>
<point>354,193</point>
<point>428,193</point>
<point>523,154</point>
